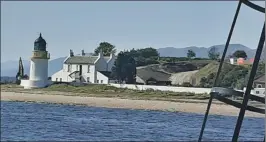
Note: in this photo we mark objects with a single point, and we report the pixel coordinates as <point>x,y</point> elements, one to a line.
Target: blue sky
<point>83,25</point>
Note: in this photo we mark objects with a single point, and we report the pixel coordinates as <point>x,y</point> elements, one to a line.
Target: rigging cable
<point>219,69</point>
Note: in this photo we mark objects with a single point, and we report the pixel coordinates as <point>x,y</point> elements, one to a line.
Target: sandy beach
<point>200,108</point>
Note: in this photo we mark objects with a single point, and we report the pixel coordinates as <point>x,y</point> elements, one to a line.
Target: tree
<point>117,68</point>
<point>130,71</point>
<point>106,49</point>
<point>260,70</point>
<point>203,82</point>
<point>186,84</point>
<point>213,53</point>
<point>191,54</point>
<point>240,54</point>
<point>144,56</point>
<point>148,52</point>
<point>20,72</point>
<point>124,68</point>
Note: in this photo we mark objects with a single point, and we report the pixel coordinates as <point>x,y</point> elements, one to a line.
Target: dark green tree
<point>191,54</point>
<point>240,54</point>
<point>148,52</point>
<point>203,82</point>
<point>260,70</point>
<point>20,73</point>
<point>144,56</point>
<point>130,71</point>
<point>106,48</point>
<point>124,68</point>
<point>213,53</point>
<point>117,68</point>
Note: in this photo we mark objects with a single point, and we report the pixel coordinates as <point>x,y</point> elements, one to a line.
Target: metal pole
<point>219,69</point>
<point>249,86</point>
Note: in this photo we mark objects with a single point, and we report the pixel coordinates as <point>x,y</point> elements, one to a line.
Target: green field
<point>107,91</point>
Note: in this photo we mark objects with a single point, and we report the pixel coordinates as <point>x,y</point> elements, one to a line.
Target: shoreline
<point>105,102</point>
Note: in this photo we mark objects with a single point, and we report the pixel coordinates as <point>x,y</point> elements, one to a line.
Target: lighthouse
<point>39,66</point>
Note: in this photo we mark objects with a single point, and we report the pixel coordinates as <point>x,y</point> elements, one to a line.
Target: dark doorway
<point>80,72</point>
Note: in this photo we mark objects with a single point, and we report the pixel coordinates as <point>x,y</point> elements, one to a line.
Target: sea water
<point>33,121</point>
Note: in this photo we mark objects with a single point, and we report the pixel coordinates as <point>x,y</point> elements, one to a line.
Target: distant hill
<point>182,66</point>
<point>202,52</point>
<point>6,79</point>
<point>10,68</point>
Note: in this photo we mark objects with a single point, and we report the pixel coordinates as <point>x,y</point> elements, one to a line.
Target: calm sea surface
<point>32,121</point>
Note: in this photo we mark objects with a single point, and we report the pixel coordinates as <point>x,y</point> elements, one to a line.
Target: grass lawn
<point>94,90</point>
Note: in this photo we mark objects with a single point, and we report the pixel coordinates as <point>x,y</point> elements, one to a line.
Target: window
<point>60,79</point>
<point>56,79</point>
<point>88,79</point>
<point>257,92</point>
<point>97,81</point>
<point>259,86</point>
<point>68,68</point>
<point>77,67</point>
<point>88,69</point>
<point>101,81</point>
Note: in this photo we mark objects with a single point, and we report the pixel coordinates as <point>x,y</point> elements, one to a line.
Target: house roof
<point>81,60</point>
<point>106,58</point>
<point>106,73</point>
<point>149,73</point>
<point>260,79</point>
<point>86,59</point>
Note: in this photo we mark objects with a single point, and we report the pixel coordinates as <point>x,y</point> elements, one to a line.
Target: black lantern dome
<point>40,44</point>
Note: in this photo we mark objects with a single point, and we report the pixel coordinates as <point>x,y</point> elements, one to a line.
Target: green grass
<point>110,91</point>
<point>210,68</point>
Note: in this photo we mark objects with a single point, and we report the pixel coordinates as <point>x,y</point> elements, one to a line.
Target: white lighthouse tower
<point>39,66</point>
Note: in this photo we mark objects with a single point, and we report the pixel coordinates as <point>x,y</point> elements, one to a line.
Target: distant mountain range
<point>10,68</point>
<point>202,52</point>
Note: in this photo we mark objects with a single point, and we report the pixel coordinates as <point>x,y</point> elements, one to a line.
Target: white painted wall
<point>39,69</point>
<point>85,68</point>
<point>88,76</point>
<point>101,64</point>
<point>257,91</point>
<point>28,84</point>
<point>163,88</point>
<point>232,61</point>
<point>93,74</point>
<point>102,79</point>
<point>62,75</point>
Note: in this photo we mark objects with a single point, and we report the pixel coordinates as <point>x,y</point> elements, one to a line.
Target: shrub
<point>186,84</point>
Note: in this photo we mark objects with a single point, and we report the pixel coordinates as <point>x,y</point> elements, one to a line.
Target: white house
<point>233,61</point>
<point>85,68</point>
<point>257,91</point>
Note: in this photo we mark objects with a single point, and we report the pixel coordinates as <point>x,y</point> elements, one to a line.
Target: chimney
<point>111,55</point>
<point>71,53</point>
<point>100,54</point>
<point>82,53</point>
